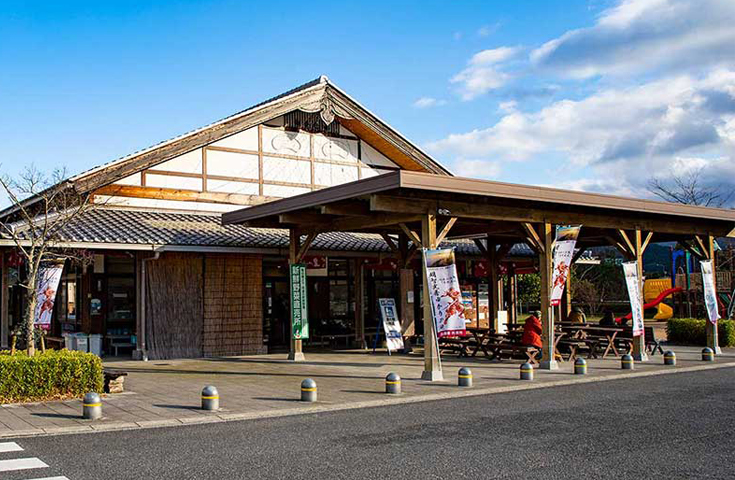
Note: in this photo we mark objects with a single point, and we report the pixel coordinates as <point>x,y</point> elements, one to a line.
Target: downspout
<point>142,333</point>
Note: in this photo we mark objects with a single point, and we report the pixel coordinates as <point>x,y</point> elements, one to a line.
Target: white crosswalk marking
<point>21,464</point>
<point>49,478</point>
<point>10,447</point>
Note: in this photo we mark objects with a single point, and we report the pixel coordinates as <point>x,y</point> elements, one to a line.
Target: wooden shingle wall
<point>233,305</point>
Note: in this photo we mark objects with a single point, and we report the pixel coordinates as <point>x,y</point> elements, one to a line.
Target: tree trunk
<point>29,316</point>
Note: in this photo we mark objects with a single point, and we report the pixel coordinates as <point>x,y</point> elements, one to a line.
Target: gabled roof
<point>319,95</point>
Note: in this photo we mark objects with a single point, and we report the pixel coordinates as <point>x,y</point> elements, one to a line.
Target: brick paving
<point>164,393</point>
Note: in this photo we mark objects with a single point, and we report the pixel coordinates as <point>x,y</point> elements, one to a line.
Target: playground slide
<point>655,302</point>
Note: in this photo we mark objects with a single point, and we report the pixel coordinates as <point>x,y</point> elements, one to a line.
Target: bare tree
<point>690,190</point>
<point>42,206</point>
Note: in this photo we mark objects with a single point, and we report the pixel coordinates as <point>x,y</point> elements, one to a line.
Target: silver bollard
<point>580,366</point>
<point>92,406</point>
<point>308,390</point>
<point>210,398</point>
<point>393,383</point>
<point>464,377</point>
<point>708,355</point>
<point>627,362</point>
<point>526,371</point>
<point>669,358</point>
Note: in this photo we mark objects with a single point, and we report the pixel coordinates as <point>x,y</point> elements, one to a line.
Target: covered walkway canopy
<point>418,210</point>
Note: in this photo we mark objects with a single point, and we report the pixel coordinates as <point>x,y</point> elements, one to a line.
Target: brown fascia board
<point>472,186</point>
<point>380,183</point>
<point>468,186</point>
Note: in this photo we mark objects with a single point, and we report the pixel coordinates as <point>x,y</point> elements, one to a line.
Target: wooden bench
<point>652,343</point>
<point>459,345</point>
<point>118,345</point>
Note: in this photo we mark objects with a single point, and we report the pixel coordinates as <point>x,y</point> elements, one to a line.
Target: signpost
<point>391,324</point>
<point>299,305</point>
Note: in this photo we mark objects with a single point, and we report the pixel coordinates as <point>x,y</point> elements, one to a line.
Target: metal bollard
<point>580,366</point>
<point>464,377</point>
<point>627,363</point>
<point>526,371</point>
<point>210,398</point>
<point>92,406</point>
<point>393,383</point>
<point>669,358</point>
<point>308,390</point>
<point>708,355</point>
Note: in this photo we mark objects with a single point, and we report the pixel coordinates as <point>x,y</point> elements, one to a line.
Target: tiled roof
<point>142,227</point>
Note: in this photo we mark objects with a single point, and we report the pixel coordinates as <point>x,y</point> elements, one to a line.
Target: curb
<point>289,412</point>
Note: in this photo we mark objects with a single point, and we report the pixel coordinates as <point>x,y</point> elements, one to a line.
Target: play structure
<point>654,294</point>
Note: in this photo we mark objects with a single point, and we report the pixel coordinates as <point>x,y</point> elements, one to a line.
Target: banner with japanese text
<point>48,282</point>
<point>566,239</point>
<point>299,305</point>
<point>444,292</point>
<point>710,294</point>
<point>634,293</point>
<point>391,324</point>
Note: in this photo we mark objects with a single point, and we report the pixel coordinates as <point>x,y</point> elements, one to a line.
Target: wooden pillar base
<point>432,375</point>
<point>549,365</point>
<point>296,356</point>
<point>640,357</point>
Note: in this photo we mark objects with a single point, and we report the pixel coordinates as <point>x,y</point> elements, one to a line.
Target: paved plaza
<point>166,393</point>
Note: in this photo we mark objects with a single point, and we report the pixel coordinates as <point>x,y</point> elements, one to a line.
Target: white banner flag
<point>391,324</point>
<point>48,283</point>
<point>710,294</point>
<point>634,292</point>
<point>444,293</point>
<point>566,239</point>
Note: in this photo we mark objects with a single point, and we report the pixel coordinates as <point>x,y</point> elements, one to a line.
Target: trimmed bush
<point>691,331</point>
<point>55,374</point>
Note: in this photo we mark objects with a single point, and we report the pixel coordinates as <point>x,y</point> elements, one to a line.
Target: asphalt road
<point>672,426</point>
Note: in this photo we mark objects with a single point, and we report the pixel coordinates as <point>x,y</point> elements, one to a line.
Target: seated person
<point>577,316</point>
<point>532,331</point>
<point>607,319</point>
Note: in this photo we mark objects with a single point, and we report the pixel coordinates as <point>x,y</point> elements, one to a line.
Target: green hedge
<point>691,331</point>
<point>51,375</point>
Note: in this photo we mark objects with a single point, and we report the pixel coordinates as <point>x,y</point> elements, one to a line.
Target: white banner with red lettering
<point>444,292</point>
<point>634,293</point>
<point>48,283</point>
<point>566,239</point>
<point>710,295</point>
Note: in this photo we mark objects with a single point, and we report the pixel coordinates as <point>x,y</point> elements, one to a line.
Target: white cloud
<point>627,134</point>
<point>645,35</point>
<point>484,72</point>
<point>427,102</point>
<point>487,30</point>
<point>477,168</point>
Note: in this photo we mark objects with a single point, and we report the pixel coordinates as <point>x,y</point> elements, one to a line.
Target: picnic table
<point>497,346</point>
<point>595,337</point>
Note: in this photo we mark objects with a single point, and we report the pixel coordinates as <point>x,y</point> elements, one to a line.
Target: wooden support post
<point>432,365</point>
<point>296,352</point>
<point>513,293</point>
<point>566,299</point>
<point>639,343</point>
<point>713,340</point>
<point>547,311</point>
<point>4,317</point>
<point>492,283</point>
<point>359,308</point>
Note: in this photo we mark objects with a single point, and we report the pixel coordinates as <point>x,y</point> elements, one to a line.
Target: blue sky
<point>598,95</point>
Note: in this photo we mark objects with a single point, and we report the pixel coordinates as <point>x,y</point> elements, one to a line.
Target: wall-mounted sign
<point>299,305</point>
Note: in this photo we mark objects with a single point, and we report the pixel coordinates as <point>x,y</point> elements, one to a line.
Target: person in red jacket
<point>532,331</point>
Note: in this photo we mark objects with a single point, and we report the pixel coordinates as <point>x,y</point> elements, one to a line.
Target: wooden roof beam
<point>398,204</point>
<point>348,208</point>
<point>413,236</point>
